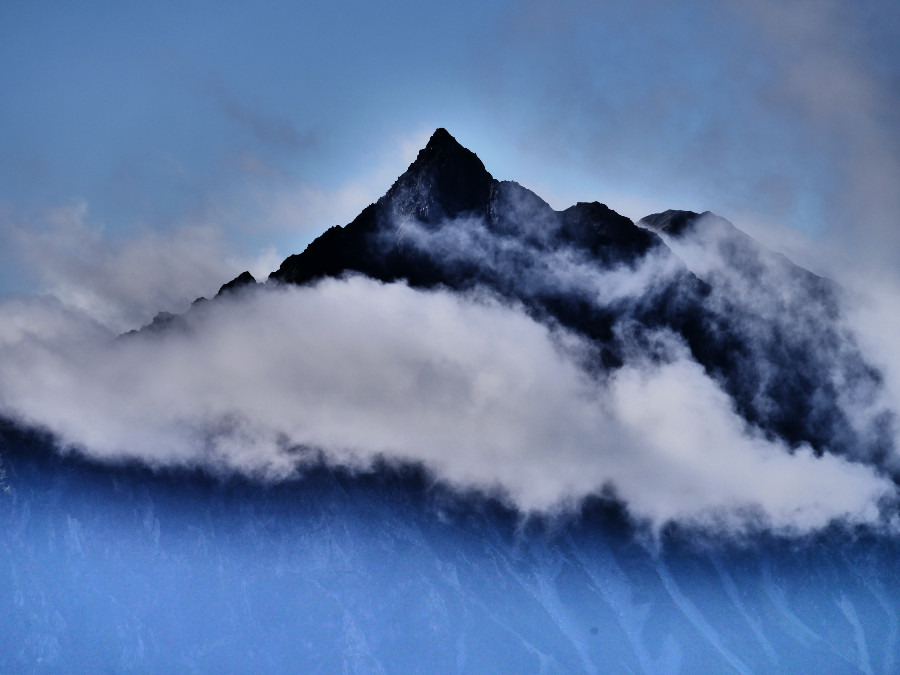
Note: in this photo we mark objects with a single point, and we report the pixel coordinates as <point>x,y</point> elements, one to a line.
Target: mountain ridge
<point>162,561</point>
<point>446,222</point>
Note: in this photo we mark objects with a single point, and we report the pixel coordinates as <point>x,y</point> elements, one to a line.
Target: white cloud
<point>697,461</point>
<point>121,282</point>
<point>478,392</point>
<point>874,317</point>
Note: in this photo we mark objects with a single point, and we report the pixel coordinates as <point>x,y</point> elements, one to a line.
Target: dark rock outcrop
<point>240,281</point>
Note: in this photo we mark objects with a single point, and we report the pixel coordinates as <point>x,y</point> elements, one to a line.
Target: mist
<point>696,377</point>
<point>354,371</point>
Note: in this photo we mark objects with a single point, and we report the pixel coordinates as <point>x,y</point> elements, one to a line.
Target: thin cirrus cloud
<point>770,112</point>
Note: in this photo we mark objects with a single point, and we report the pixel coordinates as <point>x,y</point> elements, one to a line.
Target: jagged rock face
<point>608,236</point>
<point>243,279</point>
<point>447,183</point>
<point>446,221</point>
<point>778,314</point>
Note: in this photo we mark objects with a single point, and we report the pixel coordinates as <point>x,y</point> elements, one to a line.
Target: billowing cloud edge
<point>474,390</point>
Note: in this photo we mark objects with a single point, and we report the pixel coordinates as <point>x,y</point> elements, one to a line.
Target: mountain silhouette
<point>766,329</point>
<point>161,561</point>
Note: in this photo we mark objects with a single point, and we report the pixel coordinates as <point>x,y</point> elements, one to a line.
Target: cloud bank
<point>477,391</point>
<point>124,282</point>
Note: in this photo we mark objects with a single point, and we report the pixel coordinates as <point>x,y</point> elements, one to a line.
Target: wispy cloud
<point>828,74</point>
<point>777,112</point>
<point>275,131</point>
<point>122,282</point>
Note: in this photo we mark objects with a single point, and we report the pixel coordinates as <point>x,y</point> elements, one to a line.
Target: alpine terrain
<point>464,432</point>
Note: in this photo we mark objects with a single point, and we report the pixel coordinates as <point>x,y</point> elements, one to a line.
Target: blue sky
<point>258,126</point>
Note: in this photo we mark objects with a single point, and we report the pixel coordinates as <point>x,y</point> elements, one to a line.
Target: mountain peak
<point>673,222</point>
<point>441,137</point>
<point>446,180</point>
<point>243,279</point>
